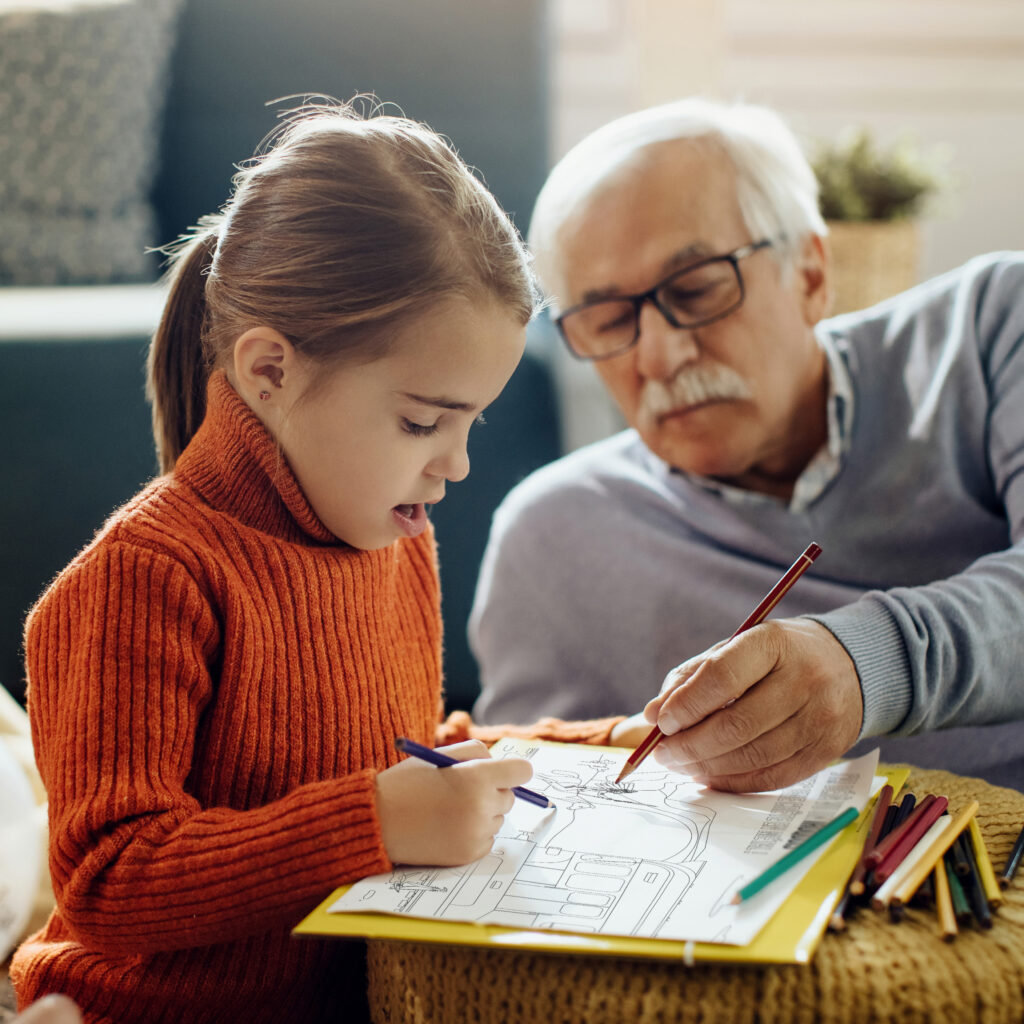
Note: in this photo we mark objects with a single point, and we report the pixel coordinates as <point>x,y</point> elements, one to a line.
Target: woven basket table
<point>875,971</point>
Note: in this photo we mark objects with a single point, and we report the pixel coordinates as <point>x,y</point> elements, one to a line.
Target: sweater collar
<point>237,467</point>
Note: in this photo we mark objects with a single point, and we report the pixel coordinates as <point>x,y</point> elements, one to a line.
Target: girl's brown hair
<point>337,231</point>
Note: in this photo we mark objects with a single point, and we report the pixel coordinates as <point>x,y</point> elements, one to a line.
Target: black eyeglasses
<point>692,297</point>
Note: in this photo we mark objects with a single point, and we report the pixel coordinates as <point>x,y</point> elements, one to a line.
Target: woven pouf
<point>875,971</point>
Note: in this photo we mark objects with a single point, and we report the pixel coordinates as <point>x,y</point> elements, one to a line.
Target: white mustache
<point>691,386</point>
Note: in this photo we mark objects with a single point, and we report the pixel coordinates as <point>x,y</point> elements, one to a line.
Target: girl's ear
<point>265,363</point>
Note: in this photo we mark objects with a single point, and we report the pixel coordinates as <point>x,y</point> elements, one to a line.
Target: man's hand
<point>765,710</point>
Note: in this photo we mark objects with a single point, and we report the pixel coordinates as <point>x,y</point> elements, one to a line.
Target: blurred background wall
<point>948,72</point>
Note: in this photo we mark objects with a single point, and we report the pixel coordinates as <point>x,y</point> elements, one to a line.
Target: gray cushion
<point>81,94</point>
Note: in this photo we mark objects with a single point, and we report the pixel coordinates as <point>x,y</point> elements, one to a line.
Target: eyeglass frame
<point>651,295</point>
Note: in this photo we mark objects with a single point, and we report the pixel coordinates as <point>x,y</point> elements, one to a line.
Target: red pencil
<point>911,837</point>
<point>770,600</point>
<point>856,884</point>
<point>895,834</point>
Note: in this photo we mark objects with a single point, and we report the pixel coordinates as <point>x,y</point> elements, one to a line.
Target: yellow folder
<point>790,937</point>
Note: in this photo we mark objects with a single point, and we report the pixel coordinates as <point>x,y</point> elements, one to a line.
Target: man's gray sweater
<point>607,568</point>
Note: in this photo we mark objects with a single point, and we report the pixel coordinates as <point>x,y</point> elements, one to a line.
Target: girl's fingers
<point>467,750</point>
<point>507,772</point>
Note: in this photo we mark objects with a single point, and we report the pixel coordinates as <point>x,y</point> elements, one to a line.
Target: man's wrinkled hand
<point>770,707</point>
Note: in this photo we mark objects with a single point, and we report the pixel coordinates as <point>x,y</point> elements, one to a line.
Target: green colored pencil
<point>961,908</point>
<point>811,843</point>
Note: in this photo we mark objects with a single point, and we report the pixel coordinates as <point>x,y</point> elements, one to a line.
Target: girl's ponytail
<point>178,363</point>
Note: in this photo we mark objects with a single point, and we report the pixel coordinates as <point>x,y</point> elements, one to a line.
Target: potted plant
<point>870,198</point>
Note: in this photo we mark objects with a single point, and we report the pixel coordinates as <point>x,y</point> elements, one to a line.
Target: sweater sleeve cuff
<point>459,726</point>
<point>359,847</point>
<point>357,850</point>
<point>873,640</point>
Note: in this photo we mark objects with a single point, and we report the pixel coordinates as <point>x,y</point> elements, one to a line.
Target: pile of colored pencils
<point>916,851</point>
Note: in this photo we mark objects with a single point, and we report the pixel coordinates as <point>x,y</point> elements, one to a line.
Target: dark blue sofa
<point>75,421</point>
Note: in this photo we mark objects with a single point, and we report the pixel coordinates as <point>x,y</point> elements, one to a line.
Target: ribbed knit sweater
<point>213,684</point>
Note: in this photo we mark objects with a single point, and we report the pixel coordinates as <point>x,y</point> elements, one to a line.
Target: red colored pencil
<point>855,883</point>
<point>931,813</point>
<point>877,855</point>
<point>884,802</point>
<point>758,615</point>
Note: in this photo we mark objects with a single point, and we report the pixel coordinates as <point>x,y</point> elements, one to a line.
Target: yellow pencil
<point>944,903</point>
<point>993,893</point>
<point>933,854</point>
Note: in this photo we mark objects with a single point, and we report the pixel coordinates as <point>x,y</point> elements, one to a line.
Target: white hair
<point>776,189</point>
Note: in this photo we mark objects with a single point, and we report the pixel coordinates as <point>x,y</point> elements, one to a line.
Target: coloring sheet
<point>657,856</point>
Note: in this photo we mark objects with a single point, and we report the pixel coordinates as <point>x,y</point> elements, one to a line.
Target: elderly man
<point>685,256</point>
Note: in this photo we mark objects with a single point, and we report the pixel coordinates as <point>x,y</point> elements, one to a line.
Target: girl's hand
<point>51,1009</point>
<point>630,732</point>
<point>447,816</point>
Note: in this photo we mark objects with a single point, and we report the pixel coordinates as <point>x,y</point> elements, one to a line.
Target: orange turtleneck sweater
<point>213,684</point>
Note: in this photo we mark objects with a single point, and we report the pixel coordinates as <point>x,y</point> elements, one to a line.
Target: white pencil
<point>884,893</point>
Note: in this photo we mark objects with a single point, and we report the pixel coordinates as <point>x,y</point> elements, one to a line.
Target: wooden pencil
<point>1013,861</point>
<point>925,895</point>
<point>905,808</point>
<point>898,831</point>
<point>883,897</point>
<point>944,903</point>
<point>801,850</point>
<point>931,856</point>
<point>961,908</point>
<point>756,617</point>
<point>837,920</point>
<point>993,893</point>
<point>894,818</point>
<point>958,855</point>
<point>855,883</point>
<point>931,811</point>
<point>855,886</point>
<point>890,819</point>
<point>974,890</point>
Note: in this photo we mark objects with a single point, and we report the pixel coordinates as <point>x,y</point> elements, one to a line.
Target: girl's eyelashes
<point>425,430</point>
<point>418,429</point>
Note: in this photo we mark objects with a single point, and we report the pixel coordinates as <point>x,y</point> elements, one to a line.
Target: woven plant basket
<point>871,260</point>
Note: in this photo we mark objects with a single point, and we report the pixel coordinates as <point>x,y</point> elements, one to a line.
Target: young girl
<point>217,680</point>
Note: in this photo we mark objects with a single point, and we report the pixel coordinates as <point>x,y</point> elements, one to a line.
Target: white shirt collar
<point>826,462</point>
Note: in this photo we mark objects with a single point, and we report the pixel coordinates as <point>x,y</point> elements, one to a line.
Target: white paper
<point>657,856</point>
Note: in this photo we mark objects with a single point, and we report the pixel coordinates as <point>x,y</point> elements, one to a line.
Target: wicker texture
<point>871,260</point>
<point>874,971</point>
